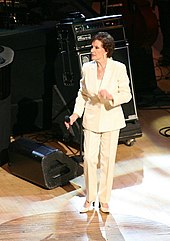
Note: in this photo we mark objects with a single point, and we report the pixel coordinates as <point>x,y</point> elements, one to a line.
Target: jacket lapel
<point>107,75</point>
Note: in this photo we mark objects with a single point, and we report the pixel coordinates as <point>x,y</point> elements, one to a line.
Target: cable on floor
<point>165,131</point>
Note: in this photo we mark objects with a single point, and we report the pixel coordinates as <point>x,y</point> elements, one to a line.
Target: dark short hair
<point>107,42</point>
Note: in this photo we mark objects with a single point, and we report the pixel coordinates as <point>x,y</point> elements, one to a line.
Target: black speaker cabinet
<point>40,164</point>
<point>121,54</point>
<point>132,129</point>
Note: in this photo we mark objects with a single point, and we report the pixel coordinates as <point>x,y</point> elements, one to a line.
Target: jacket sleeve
<point>81,96</point>
<point>123,93</point>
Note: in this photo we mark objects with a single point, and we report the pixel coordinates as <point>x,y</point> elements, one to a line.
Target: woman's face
<point>97,51</point>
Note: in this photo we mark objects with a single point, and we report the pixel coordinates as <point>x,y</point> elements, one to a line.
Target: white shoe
<point>104,208</point>
<point>87,207</point>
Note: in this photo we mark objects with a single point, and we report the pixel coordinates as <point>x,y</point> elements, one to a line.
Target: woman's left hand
<point>104,94</point>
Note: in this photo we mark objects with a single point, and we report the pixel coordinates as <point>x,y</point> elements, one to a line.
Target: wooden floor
<point>140,200</point>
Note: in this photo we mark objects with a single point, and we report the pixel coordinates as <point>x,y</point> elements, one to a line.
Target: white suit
<point>102,120</point>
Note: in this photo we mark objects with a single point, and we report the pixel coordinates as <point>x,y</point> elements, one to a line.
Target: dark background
<point>29,29</point>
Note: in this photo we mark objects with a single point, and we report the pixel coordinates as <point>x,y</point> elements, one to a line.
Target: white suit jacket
<point>103,115</point>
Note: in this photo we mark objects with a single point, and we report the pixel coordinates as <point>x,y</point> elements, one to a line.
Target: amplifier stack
<point>74,43</point>
<point>84,31</point>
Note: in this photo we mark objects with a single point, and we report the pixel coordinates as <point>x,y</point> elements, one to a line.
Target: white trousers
<point>99,148</point>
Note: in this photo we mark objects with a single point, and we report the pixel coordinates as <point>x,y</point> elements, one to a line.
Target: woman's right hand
<point>72,118</point>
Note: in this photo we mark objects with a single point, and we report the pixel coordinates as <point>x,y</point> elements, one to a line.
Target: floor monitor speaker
<point>40,164</point>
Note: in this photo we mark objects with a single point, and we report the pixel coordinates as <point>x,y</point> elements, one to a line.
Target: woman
<point>103,88</point>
